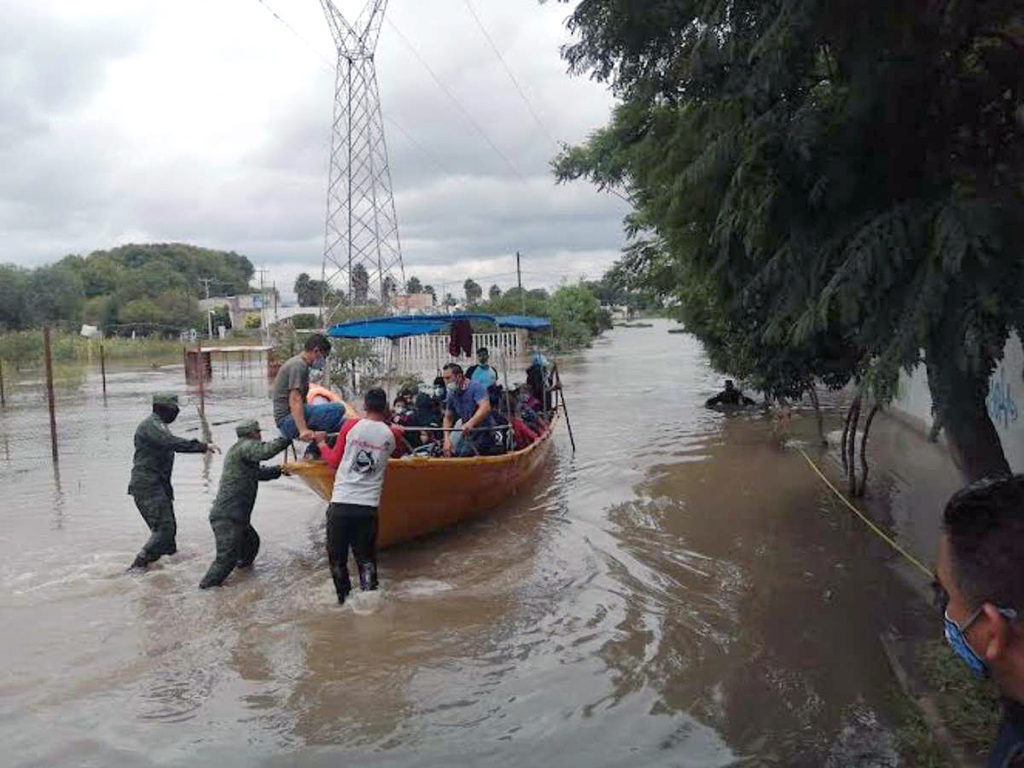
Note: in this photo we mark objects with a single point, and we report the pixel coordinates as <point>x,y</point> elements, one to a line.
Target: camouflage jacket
<point>155,446</point>
<point>242,474</point>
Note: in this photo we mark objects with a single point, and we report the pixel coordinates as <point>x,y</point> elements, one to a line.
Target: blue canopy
<point>416,325</point>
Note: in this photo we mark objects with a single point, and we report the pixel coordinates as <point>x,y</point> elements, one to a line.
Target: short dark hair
<point>453,367</point>
<point>376,400</point>
<point>439,381</point>
<point>317,341</point>
<point>985,526</point>
<point>482,351</point>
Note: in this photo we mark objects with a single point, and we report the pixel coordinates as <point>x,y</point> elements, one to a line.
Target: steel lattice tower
<point>361,231</point>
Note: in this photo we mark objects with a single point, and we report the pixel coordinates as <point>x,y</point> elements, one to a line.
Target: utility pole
<point>519,280</point>
<point>206,284</point>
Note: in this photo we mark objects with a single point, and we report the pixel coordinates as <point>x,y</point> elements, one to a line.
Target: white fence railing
<point>431,351</point>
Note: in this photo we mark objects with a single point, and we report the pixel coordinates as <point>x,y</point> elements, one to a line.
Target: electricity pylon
<point>362,249</point>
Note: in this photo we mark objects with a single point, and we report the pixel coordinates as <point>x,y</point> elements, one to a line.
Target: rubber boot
<point>367,577</point>
<point>139,564</point>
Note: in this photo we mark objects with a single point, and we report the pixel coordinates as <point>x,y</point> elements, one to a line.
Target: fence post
<point>103,370</point>
<point>49,389</point>
<point>3,400</point>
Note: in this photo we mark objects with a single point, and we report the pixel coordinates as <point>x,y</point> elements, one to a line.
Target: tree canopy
<point>473,291</point>
<point>146,287</point>
<point>828,190</point>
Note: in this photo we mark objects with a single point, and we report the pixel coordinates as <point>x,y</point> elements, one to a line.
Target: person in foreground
<point>150,484</point>
<point>360,455</point>
<point>981,581</point>
<point>729,396</point>
<point>237,541</point>
<point>468,401</point>
<point>292,415</point>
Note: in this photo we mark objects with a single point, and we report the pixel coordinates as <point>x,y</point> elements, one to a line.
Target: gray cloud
<point>235,155</point>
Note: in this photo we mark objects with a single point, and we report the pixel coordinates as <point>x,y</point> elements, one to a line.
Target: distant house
<point>239,307</point>
<point>414,302</point>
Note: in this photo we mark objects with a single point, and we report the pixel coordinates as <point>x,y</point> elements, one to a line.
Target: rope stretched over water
<point>882,534</point>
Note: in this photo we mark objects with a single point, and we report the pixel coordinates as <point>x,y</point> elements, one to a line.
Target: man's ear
<point>999,634</point>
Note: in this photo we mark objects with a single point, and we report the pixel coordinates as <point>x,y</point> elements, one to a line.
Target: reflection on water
<point>678,592</point>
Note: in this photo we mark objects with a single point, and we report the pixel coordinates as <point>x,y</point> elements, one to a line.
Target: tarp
<point>416,325</point>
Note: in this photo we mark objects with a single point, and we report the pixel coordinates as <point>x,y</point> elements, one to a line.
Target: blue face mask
<point>319,364</point>
<point>958,641</point>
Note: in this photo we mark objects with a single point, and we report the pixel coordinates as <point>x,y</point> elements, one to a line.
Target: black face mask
<point>167,413</point>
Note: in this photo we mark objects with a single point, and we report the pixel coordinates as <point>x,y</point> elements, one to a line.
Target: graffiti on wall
<point>1002,406</point>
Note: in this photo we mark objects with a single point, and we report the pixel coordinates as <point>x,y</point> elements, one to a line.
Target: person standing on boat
<point>482,372</point>
<point>150,484</point>
<point>231,515</point>
<point>729,396</point>
<point>360,455</point>
<point>293,416</point>
<point>468,401</point>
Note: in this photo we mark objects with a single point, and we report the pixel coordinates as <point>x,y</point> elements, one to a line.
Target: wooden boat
<point>422,495</point>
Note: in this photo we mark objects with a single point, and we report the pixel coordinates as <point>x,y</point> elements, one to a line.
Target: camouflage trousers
<point>157,510</point>
<point>237,545</point>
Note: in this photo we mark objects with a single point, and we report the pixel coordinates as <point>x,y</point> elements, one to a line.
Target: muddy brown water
<point>680,592</point>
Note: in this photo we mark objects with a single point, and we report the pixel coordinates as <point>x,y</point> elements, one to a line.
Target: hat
<point>247,428</point>
<point>165,398</point>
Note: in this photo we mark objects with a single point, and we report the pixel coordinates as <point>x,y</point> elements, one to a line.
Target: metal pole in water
<point>49,389</point>
<point>103,370</point>
<point>3,400</point>
<point>201,374</point>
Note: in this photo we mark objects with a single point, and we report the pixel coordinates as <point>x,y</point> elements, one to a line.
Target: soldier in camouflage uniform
<point>237,540</point>
<point>150,483</point>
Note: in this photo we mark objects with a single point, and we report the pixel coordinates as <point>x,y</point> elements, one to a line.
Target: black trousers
<point>352,526</point>
<point>157,510</point>
<point>237,545</point>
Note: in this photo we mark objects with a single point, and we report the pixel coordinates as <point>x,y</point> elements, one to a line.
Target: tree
<point>823,186</point>
<point>494,292</point>
<point>473,291</point>
<point>388,289</point>
<point>449,300</point>
<point>14,314</point>
<point>360,284</point>
<point>307,291</point>
<point>413,285</point>
<point>433,294</point>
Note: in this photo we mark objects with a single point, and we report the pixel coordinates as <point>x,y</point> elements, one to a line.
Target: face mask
<point>318,364</point>
<point>439,391</point>
<point>452,387</point>
<point>958,641</point>
<point>399,410</point>
<point>168,414</point>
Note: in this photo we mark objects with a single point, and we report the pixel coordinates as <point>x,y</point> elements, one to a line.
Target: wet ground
<point>680,592</point>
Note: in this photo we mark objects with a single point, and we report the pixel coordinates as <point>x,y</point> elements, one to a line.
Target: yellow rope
<point>885,537</point>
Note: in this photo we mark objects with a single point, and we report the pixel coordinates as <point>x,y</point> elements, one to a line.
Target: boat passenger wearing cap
<point>150,483</point>
<point>230,517</point>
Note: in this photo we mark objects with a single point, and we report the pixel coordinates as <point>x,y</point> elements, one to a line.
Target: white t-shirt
<point>360,474</point>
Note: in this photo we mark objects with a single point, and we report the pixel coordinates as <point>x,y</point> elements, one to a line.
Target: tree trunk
<point>852,448</point>
<point>845,438</point>
<point>959,401</point>
<point>817,412</point>
<point>864,449</point>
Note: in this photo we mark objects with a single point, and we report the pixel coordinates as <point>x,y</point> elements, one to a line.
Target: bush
<point>305,320</point>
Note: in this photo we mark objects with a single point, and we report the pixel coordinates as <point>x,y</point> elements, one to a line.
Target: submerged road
<point>681,592</point>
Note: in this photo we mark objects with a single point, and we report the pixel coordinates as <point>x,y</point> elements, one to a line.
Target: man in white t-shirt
<point>360,456</point>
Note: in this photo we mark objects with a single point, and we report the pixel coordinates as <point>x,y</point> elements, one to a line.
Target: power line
<point>454,99</point>
<point>508,71</point>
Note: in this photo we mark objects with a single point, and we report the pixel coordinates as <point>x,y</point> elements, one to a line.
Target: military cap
<point>165,398</point>
<point>247,428</point>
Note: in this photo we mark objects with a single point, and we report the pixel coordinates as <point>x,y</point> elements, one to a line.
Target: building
<point>240,308</point>
<point>414,302</point>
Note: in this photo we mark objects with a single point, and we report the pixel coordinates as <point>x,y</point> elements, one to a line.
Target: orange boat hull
<point>423,495</point>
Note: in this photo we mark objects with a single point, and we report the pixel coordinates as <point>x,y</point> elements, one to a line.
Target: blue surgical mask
<point>439,391</point>
<point>958,641</point>
<point>319,363</point>
<point>452,387</point>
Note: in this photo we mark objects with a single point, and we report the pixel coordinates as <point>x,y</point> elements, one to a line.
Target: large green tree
<point>473,291</point>
<point>840,182</point>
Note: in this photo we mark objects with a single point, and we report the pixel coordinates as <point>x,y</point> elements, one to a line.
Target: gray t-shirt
<point>294,374</point>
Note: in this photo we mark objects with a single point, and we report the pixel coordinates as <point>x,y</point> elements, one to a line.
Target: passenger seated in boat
<point>423,415</point>
<point>729,396</point>
<point>400,411</point>
<point>468,401</point>
<point>522,435</point>
<point>481,371</point>
<point>439,395</point>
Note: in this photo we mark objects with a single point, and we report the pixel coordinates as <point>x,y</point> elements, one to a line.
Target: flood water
<point>680,592</point>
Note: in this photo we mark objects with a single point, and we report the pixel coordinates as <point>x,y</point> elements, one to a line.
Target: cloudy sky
<point>206,121</point>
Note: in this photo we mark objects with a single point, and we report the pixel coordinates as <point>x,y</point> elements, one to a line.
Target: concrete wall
<point>1005,401</point>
